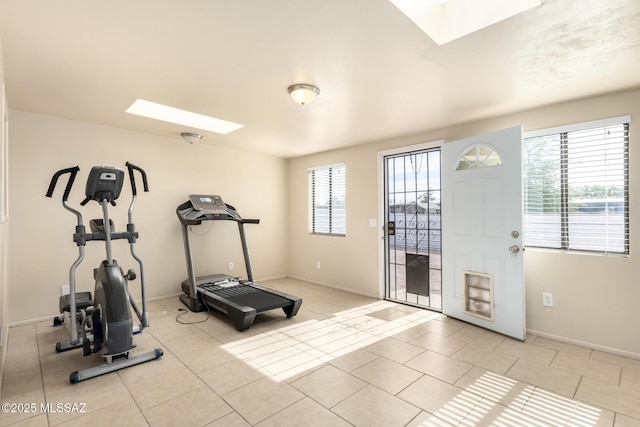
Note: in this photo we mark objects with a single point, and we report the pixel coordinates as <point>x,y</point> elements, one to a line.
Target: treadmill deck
<point>246,295</point>
<point>238,299</point>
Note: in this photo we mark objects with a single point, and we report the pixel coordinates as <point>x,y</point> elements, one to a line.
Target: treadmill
<point>239,299</point>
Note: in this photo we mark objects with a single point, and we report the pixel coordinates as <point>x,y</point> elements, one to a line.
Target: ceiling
<point>379,75</point>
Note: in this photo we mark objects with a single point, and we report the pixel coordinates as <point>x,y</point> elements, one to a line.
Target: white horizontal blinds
<point>597,196</point>
<point>321,196</point>
<point>576,189</point>
<point>328,196</point>
<point>541,177</point>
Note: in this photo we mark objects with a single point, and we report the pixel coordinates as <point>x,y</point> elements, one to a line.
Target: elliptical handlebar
<point>96,185</point>
<point>143,315</point>
<point>73,171</point>
<point>54,180</point>
<point>131,167</point>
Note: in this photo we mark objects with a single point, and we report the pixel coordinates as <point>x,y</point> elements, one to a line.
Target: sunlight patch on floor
<point>531,406</point>
<point>561,410</point>
<point>294,349</point>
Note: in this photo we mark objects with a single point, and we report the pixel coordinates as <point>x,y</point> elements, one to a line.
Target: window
<point>327,185</point>
<point>576,187</point>
<point>479,156</point>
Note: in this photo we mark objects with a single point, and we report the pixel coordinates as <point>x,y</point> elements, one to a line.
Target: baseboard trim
<point>32,321</point>
<point>50,317</point>
<point>327,285</point>
<point>585,344</point>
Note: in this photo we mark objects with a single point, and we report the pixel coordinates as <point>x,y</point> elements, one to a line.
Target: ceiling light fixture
<point>303,93</point>
<point>181,117</point>
<point>191,137</point>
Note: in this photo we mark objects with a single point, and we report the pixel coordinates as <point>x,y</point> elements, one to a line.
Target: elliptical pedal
<point>83,301</point>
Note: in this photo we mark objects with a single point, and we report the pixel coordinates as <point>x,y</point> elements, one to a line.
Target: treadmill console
<point>208,204</point>
<point>202,207</point>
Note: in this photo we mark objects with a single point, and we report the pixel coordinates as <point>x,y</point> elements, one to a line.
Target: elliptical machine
<point>104,324</point>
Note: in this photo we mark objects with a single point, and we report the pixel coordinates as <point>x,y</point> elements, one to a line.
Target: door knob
<point>391,228</point>
<point>514,249</point>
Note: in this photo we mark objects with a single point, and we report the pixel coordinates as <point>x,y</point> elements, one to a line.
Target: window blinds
<point>576,188</point>
<point>327,199</point>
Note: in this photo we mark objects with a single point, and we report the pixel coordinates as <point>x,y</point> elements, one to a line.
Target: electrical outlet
<point>230,265</point>
<point>64,290</point>
<point>547,299</point>
<point>318,265</point>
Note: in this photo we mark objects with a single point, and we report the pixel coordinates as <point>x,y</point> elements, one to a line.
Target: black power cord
<point>184,322</point>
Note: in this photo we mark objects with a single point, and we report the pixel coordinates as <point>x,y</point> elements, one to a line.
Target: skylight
<point>181,117</point>
<point>452,19</point>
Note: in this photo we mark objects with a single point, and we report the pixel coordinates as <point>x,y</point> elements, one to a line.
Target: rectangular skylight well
<point>449,20</point>
<point>165,113</point>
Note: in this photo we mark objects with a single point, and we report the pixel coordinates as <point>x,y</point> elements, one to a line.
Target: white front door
<point>482,259</point>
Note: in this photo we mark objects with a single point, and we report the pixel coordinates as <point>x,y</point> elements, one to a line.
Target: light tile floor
<point>343,360</point>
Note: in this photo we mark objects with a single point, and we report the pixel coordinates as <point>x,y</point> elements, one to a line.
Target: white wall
<point>348,262</point>
<point>41,249</point>
<point>596,298</point>
<point>4,263</point>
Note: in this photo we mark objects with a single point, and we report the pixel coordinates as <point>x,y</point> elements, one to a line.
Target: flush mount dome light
<point>303,93</point>
<point>191,137</point>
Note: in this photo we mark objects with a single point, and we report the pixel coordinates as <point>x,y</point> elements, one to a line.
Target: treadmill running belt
<point>249,296</point>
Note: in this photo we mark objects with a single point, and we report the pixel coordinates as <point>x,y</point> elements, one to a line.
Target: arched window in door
<point>479,156</point>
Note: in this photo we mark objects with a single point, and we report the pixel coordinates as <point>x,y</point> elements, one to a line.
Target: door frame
<point>381,202</point>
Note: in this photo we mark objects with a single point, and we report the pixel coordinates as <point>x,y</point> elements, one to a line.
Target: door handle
<point>514,249</point>
<point>391,228</point>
